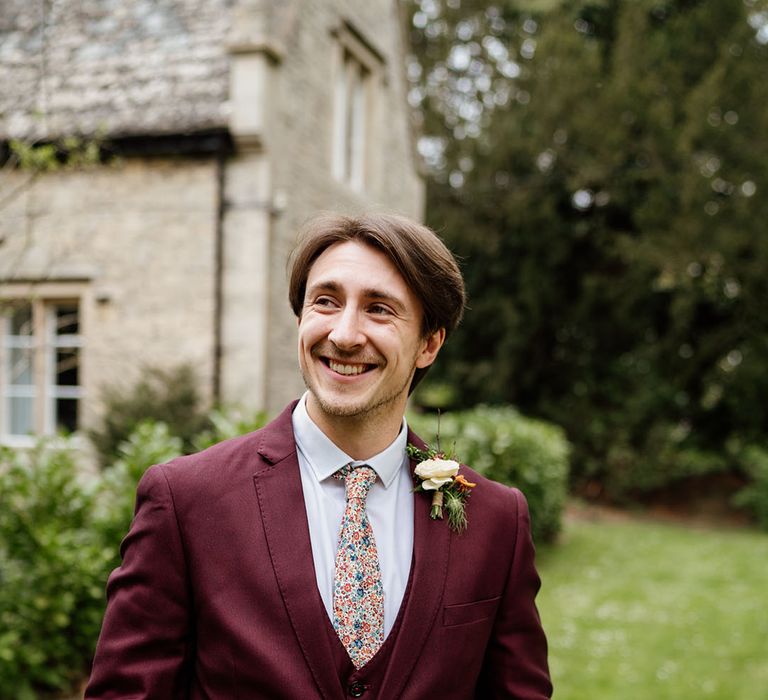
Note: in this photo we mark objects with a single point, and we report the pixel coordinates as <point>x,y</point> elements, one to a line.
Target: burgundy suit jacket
<point>216,596</point>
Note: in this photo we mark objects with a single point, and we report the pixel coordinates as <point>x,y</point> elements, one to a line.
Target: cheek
<point>411,345</point>
<point>311,330</point>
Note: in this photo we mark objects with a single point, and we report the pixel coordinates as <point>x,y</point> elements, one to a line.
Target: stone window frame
<point>359,71</point>
<point>44,342</point>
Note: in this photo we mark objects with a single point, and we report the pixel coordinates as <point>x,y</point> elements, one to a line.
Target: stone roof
<point>113,67</point>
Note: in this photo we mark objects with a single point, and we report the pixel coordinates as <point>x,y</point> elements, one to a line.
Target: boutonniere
<point>439,475</point>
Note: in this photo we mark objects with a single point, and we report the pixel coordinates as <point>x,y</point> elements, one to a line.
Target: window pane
<point>64,360</point>
<point>349,114</point>
<point>67,321</point>
<point>357,128</point>
<point>21,319</point>
<point>66,415</point>
<point>340,124</point>
<point>67,367</point>
<point>22,420</point>
<point>350,119</point>
<point>21,366</point>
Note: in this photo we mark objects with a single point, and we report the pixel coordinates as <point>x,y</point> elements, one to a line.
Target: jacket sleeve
<point>515,664</point>
<point>146,637</point>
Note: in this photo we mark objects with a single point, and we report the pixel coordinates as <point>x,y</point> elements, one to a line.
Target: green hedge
<point>59,537</point>
<point>169,395</point>
<point>508,447</point>
<point>53,561</point>
<point>753,461</point>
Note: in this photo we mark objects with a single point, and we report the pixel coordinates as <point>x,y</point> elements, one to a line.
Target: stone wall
<point>135,241</point>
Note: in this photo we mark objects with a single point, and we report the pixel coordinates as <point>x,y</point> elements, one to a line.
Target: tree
<point>602,180</point>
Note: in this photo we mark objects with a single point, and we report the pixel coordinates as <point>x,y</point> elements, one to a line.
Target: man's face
<point>360,334</point>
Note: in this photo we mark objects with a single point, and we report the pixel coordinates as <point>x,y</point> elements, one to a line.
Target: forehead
<point>352,261</point>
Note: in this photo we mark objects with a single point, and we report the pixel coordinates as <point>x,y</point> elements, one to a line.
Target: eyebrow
<point>368,292</point>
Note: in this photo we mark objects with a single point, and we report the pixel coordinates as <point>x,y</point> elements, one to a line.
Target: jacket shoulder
<point>235,457</point>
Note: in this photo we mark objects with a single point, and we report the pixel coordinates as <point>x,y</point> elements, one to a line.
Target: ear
<point>430,347</point>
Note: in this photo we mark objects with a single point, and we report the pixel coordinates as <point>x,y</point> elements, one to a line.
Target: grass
<point>636,610</point>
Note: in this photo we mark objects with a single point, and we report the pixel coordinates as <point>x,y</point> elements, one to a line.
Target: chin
<point>341,408</point>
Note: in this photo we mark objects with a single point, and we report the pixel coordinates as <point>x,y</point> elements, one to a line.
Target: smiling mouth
<point>346,369</point>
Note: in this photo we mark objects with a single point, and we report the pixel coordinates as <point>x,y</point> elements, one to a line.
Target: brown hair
<point>427,266</point>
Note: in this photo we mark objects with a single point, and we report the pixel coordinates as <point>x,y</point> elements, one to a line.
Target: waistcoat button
<point>356,690</point>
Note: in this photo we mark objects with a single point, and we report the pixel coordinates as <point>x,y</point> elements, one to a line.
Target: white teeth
<point>346,369</point>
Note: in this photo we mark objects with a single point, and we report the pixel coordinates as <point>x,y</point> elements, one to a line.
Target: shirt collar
<point>325,458</point>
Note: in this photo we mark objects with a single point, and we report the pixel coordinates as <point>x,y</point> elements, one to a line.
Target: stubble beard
<point>365,409</point>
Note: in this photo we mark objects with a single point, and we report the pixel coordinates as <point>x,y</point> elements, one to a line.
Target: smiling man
<point>298,561</point>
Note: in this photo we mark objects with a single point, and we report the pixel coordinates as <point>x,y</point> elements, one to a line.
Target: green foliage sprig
<point>70,152</point>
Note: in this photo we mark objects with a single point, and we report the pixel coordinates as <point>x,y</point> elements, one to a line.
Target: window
<point>40,362</point>
<point>349,152</point>
<point>356,73</point>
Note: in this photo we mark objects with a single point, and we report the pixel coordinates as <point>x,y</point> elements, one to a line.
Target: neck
<point>360,436</point>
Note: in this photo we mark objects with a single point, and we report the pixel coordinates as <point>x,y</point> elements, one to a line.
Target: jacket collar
<point>281,504</point>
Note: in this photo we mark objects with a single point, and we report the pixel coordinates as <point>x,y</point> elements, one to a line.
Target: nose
<point>346,333</point>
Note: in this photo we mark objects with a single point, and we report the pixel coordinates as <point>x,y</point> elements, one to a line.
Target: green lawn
<point>645,611</point>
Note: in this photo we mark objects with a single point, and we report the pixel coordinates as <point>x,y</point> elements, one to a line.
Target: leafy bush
<point>229,424</point>
<point>53,563</point>
<point>754,497</point>
<point>167,395</point>
<point>508,447</point>
<point>59,540</point>
<point>665,457</point>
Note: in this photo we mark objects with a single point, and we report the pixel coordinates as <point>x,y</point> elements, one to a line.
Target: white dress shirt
<point>389,506</point>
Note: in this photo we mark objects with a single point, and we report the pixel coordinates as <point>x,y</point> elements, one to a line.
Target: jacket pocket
<point>467,613</point>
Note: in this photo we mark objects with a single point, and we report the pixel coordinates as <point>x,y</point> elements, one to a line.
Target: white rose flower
<point>436,472</point>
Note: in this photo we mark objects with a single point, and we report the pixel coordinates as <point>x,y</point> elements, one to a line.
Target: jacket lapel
<point>431,549</point>
<point>281,502</point>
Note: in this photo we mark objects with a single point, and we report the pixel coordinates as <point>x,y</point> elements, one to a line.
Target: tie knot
<point>357,480</point>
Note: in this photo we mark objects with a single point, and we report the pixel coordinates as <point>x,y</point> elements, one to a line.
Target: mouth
<point>347,369</point>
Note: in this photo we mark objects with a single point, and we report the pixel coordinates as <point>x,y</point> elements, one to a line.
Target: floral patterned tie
<point>358,594</point>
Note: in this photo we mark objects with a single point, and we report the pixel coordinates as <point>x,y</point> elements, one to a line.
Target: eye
<point>325,302</point>
<point>379,310</point>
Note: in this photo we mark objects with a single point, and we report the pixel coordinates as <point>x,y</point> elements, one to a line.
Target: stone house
<point>230,123</point>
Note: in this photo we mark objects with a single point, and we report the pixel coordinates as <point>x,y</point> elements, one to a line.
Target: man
<point>298,562</point>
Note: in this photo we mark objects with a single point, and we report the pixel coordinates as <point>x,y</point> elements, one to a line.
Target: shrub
<point>666,457</point>
<point>754,497</point>
<point>167,395</point>
<point>229,424</point>
<point>508,447</point>
<point>59,537</point>
<point>53,563</point>
<point>59,540</point>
